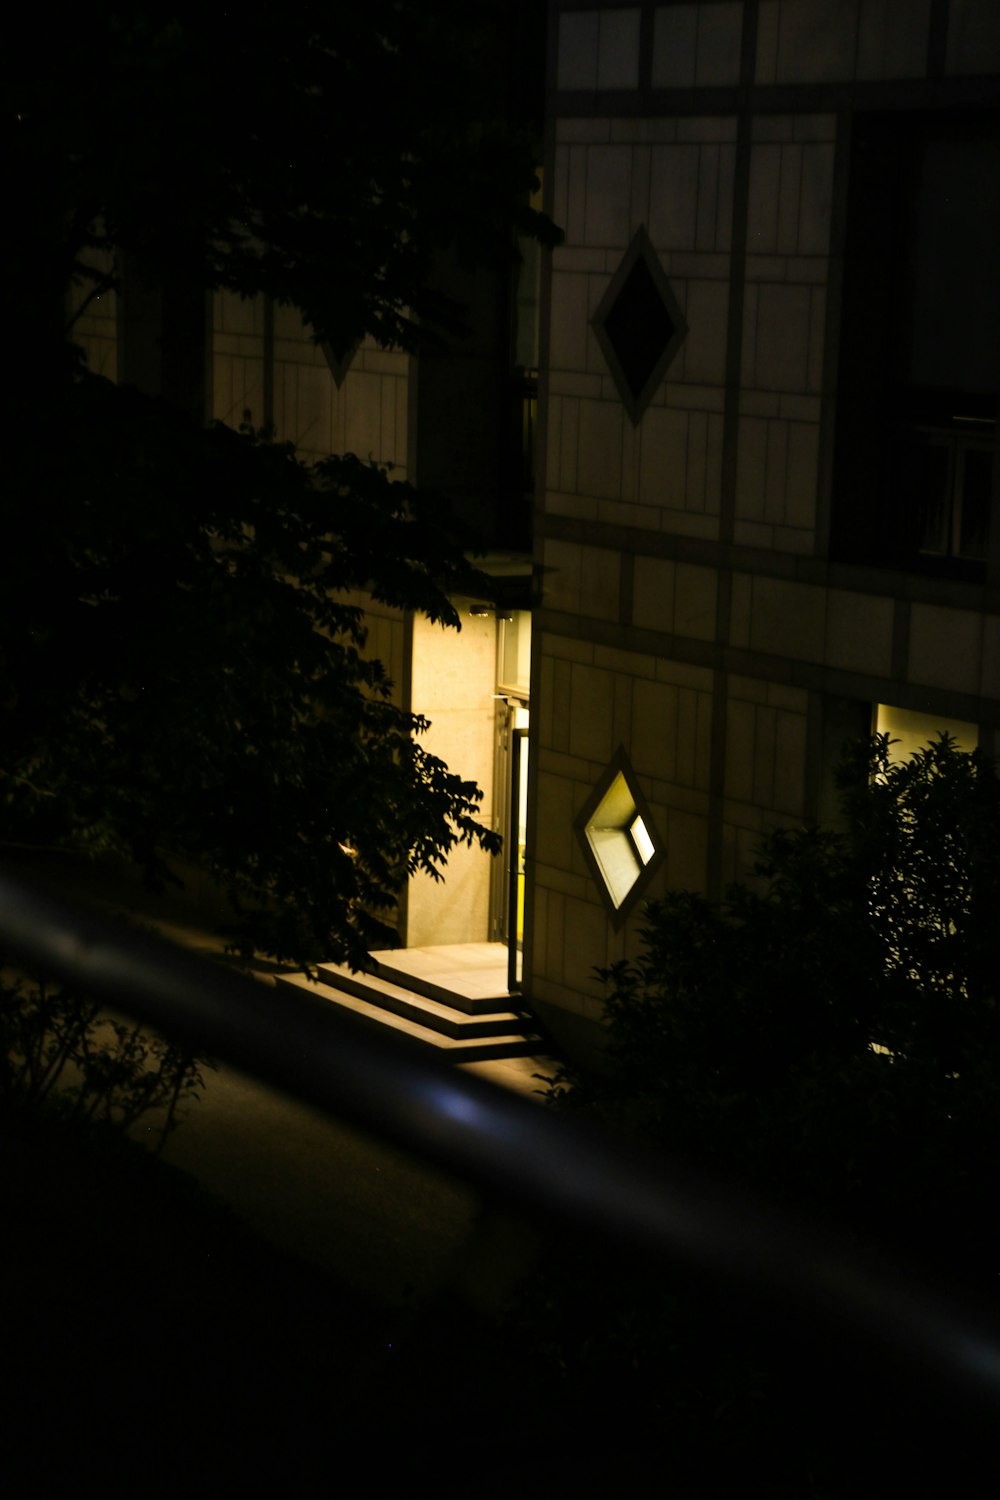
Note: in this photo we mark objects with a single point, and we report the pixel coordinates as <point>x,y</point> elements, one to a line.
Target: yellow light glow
<point>641,839</point>
<point>909,731</point>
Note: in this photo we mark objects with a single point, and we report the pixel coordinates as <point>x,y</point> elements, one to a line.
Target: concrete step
<point>461,1048</point>
<point>424,971</point>
<point>413,1005</point>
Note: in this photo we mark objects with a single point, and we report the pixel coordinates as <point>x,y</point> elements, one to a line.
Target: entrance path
<point>375,1218</point>
<point>370,1216</point>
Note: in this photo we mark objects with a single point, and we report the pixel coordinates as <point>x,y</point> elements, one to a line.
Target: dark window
<point>639,325</point>
<point>919,378</point>
<point>639,328</point>
<point>953,482</point>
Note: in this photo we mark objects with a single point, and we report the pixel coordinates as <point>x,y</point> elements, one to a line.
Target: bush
<point>63,1053</point>
<point>830,1037</point>
<point>831,1033</point>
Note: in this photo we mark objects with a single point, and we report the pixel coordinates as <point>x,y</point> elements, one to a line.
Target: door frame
<point>518,740</point>
<point>510,751</point>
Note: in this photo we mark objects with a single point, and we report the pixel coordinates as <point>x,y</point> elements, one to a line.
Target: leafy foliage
<point>799,1035</point>
<point>61,1055</point>
<point>321,156</point>
<point>202,691</point>
<point>182,655</point>
<point>829,1036</point>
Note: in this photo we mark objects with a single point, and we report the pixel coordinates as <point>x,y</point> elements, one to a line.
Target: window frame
<point>883,416</point>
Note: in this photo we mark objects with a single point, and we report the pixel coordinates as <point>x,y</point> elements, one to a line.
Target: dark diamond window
<point>339,364</point>
<point>639,325</point>
<point>639,328</point>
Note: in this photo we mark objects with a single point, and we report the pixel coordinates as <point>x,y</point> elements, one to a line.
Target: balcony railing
<point>556,1167</point>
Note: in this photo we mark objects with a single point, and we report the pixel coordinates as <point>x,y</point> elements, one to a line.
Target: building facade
<point>392,408</point>
<point>766,511</point>
<point>769,513</point>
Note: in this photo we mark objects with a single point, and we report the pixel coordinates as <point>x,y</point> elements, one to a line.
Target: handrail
<point>558,1167</point>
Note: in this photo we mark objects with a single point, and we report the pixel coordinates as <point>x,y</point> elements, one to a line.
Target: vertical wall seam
<point>730,441</point>
<point>937,38</point>
<point>267,379</point>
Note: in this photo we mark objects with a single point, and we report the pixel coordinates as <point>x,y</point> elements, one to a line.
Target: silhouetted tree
<point>181,668</point>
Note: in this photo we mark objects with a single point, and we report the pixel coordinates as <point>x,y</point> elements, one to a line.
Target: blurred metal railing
<point>554,1166</point>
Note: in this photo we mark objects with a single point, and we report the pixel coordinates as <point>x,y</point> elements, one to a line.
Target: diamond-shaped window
<point>339,364</point>
<point>619,838</point>
<point>639,325</point>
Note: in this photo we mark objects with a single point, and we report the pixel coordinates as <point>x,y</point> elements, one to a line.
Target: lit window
<point>909,731</point>
<point>619,838</point>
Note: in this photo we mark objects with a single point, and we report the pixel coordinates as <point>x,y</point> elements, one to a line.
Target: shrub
<point>828,1036</point>
<point>64,1053</point>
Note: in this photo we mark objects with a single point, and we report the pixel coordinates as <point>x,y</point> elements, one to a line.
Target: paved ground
<point>377,1220</point>
<point>323,1192</point>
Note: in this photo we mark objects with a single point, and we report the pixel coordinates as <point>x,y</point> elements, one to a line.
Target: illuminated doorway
<point>511,793</point>
<point>473,686</point>
<point>511,786</point>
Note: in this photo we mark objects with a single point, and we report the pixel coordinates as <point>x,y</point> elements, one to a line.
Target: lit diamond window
<point>619,838</point>
<point>639,325</point>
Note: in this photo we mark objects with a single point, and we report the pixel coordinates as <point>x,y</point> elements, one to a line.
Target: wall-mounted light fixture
<point>478,611</point>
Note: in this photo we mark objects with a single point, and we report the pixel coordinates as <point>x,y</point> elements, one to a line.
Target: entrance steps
<point>454,999</point>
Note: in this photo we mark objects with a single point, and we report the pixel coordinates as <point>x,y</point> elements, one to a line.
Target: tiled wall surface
<point>678,182</point>
<point>798,41</point>
<point>93,323</point>
<point>689,612</point>
<point>784,313</point>
<point>237,359</point>
<point>367,415</point>
<point>449,677</point>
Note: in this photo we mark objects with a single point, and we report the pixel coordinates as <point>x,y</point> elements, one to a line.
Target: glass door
<point>510,790</point>
<point>510,785</point>
<point>514,843</point>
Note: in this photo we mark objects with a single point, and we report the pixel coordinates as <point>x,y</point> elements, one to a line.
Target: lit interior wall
<point>515,654</point>
<point>454,678</point>
<point>914,730</point>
